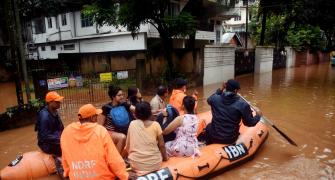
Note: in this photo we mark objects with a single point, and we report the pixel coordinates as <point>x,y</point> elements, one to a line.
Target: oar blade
<point>285,136</point>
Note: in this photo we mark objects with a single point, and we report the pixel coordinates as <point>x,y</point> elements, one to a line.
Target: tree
<point>133,13</point>
<point>272,7</point>
<point>299,36</point>
<point>317,13</point>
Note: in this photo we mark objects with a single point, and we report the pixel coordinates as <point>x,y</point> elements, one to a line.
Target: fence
<point>244,63</point>
<point>79,89</point>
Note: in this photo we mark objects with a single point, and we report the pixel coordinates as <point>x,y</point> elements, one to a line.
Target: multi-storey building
<point>73,32</point>
<point>237,24</point>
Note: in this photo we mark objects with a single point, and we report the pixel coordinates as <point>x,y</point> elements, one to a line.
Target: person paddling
<point>228,109</point>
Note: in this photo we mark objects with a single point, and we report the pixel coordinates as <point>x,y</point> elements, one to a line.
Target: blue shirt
<point>228,109</point>
<point>49,128</point>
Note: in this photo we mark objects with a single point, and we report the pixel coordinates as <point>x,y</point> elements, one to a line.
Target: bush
<point>19,116</point>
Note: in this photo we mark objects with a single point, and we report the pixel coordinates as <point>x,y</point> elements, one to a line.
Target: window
<point>69,47</point>
<point>49,22</point>
<point>237,18</point>
<point>53,47</point>
<point>173,9</point>
<point>86,21</point>
<point>42,48</point>
<point>39,25</point>
<point>63,18</point>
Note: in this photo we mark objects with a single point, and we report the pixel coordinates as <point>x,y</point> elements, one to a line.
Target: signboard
<point>235,152</point>
<point>162,174</point>
<point>105,77</point>
<point>122,75</point>
<point>79,81</point>
<point>58,83</point>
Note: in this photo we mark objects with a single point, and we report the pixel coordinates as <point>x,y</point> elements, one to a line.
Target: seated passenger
<point>178,94</point>
<point>134,95</point>
<point>228,109</point>
<point>157,103</point>
<point>185,126</point>
<point>49,128</point>
<point>88,150</point>
<point>117,116</point>
<point>145,144</point>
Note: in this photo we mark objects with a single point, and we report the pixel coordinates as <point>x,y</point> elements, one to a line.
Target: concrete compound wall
<point>290,57</point>
<point>263,59</point>
<point>219,62</point>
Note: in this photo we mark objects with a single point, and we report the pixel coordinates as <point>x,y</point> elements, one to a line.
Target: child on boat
<point>145,144</point>
<point>185,126</point>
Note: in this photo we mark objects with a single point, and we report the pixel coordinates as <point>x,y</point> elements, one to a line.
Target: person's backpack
<point>164,122</point>
<point>119,117</point>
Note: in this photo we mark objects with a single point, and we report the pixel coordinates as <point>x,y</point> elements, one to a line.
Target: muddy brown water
<point>300,101</point>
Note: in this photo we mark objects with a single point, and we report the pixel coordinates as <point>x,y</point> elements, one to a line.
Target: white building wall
<point>67,31</point>
<point>239,25</point>
<point>263,59</point>
<point>219,64</point>
<point>83,31</point>
<point>113,43</point>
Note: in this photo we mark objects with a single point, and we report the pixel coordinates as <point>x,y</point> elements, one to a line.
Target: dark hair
<point>161,90</point>
<point>143,110</point>
<point>232,85</point>
<point>113,90</point>
<point>189,103</point>
<point>180,82</point>
<point>132,92</point>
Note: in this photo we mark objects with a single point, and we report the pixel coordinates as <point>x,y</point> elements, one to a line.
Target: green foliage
<point>103,12</point>
<point>302,37</point>
<point>275,32</point>
<point>292,26</point>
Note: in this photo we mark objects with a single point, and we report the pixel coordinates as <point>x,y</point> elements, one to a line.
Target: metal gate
<point>79,89</point>
<point>244,63</point>
<point>279,58</point>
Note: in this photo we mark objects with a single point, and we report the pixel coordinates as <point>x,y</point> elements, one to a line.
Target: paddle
<point>271,123</point>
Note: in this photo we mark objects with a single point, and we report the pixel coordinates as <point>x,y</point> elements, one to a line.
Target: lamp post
<point>246,53</point>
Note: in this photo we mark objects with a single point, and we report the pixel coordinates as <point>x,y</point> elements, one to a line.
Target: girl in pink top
<point>185,126</point>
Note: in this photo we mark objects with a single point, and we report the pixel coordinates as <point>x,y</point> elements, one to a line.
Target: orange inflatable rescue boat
<point>30,165</point>
<point>213,158</point>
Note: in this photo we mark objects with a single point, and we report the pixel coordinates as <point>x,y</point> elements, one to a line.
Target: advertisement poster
<point>79,81</point>
<point>122,75</point>
<point>105,77</point>
<point>58,83</point>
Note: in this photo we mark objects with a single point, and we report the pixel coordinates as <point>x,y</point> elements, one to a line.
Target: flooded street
<point>299,101</point>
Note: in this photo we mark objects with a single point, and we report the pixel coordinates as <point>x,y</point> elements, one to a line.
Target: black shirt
<point>110,126</point>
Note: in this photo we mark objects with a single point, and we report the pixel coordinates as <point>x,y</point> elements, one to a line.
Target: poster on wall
<point>79,81</point>
<point>58,83</point>
<point>105,77</point>
<point>122,75</point>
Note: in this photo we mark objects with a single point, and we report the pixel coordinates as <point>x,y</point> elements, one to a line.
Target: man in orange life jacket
<point>88,150</point>
<point>227,110</point>
<point>178,94</point>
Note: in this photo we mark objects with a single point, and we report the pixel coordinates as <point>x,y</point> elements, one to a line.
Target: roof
<point>227,37</point>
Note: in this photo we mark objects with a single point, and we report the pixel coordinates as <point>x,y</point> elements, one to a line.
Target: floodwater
<point>300,101</point>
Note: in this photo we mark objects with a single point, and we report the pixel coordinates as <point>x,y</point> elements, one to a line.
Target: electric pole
<point>246,24</point>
